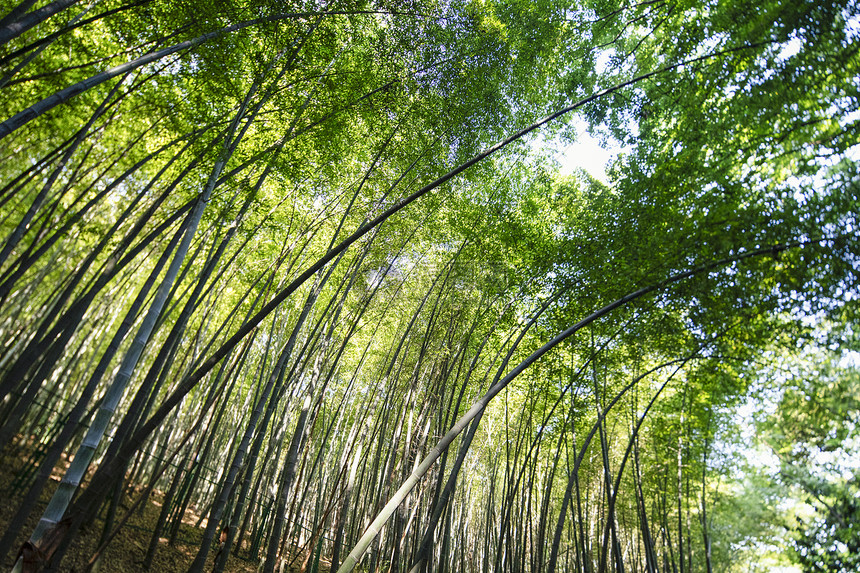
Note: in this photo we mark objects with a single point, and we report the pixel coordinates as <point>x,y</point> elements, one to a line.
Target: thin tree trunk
<point>15,236</point>
<point>56,508</point>
<point>217,510</point>
<point>284,487</point>
<point>19,21</point>
<point>62,497</point>
<point>478,407</point>
<point>75,415</point>
<point>706,539</point>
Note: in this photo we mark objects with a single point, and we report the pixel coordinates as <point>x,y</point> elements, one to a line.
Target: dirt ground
<point>128,549</point>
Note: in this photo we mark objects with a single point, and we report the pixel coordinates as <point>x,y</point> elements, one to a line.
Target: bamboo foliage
<point>305,271</point>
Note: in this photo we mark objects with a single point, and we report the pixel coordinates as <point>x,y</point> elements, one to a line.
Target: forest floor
<point>127,551</point>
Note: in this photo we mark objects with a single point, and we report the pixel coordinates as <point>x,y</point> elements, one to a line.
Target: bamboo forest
<point>335,285</point>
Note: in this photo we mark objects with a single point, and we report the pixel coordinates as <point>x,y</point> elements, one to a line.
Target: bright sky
<point>586,152</point>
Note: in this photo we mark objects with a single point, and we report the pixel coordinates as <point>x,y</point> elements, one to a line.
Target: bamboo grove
<point>306,274</point>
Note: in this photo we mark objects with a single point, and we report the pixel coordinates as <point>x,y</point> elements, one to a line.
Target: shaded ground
<point>128,549</point>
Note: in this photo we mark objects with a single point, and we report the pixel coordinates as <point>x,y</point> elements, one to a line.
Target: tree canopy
<point>311,273</point>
